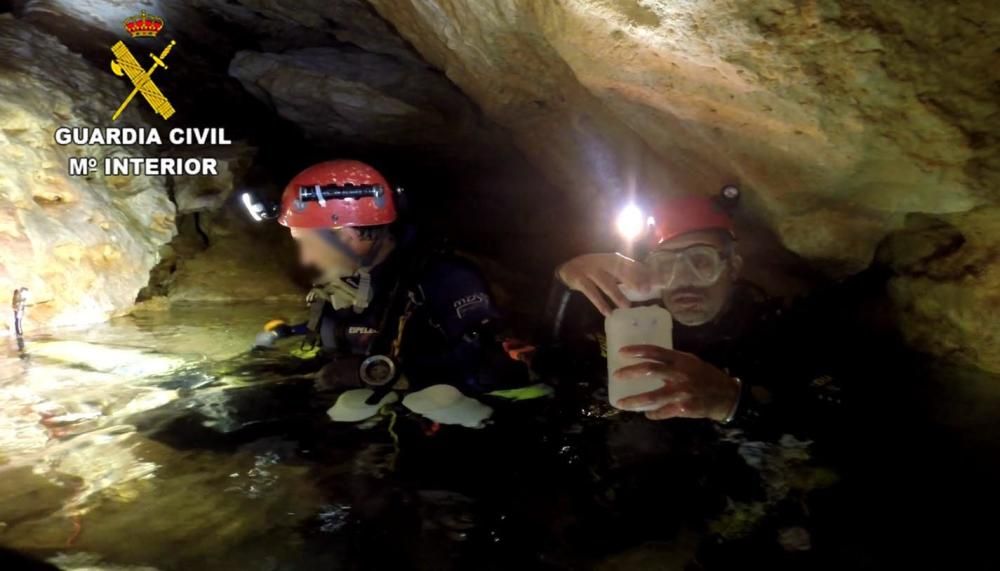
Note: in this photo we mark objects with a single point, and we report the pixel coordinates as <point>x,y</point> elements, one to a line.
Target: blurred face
<point>316,252</point>
<point>698,270</point>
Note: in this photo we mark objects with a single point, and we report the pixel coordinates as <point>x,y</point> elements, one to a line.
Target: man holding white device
<point>723,328</point>
<point>685,337</point>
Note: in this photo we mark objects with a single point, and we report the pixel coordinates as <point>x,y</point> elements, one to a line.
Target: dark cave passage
<point>822,352</point>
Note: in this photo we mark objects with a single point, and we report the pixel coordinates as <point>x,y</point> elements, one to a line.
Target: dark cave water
<point>157,442</point>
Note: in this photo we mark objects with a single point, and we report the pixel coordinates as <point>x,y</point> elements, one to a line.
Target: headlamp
<point>729,197</point>
<point>632,223</point>
<point>258,209</point>
<point>321,194</point>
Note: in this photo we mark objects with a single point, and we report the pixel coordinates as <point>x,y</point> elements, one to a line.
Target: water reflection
<point>158,441</point>
<point>81,467</point>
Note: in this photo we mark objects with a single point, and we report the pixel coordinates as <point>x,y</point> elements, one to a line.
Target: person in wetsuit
<point>387,306</point>
<point>739,357</point>
<point>749,379</point>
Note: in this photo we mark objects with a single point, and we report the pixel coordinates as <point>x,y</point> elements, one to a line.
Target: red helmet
<point>335,194</point>
<point>680,215</point>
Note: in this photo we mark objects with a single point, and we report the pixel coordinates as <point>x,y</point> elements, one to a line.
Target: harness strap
<point>312,326</point>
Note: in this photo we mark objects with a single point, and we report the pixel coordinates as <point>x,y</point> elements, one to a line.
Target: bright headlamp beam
<point>630,222</point>
<point>252,207</point>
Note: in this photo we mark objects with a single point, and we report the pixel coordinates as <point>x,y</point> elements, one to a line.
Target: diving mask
<point>698,265</point>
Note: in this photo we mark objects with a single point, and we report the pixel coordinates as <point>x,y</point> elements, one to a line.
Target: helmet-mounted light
<point>322,193</point>
<point>632,222</point>
<point>675,216</point>
<point>729,197</point>
<point>259,210</point>
<point>262,210</point>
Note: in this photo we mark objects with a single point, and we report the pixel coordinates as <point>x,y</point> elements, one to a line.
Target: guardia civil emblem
<point>124,64</point>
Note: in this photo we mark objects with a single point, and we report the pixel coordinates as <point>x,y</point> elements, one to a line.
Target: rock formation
<point>84,246</point>
<point>837,117</point>
<point>947,284</point>
<point>843,122</point>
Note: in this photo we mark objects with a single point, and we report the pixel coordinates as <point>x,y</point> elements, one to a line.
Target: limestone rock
<point>200,193</point>
<point>223,256</point>
<point>837,116</point>
<point>83,245</point>
<point>337,95</point>
<point>947,285</point>
<point>24,494</point>
<point>281,25</point>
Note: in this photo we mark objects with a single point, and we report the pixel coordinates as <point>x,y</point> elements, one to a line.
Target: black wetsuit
<point>671,479</point>
<point>451,331</point>
<point>780,352</point>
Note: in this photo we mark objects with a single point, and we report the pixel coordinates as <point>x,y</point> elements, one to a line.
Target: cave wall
<point>216,256</point>
<point>946,284</point>
<point>83,246</point>
<point>838,117</point>
<point>519,126</point>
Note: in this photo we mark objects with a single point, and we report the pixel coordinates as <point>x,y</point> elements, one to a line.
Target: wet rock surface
<point>838,117</point>
<point>84,246</point>
<point>947,285</point>
<point>217,258</point>
<point>529,122</point>
<point>293,84</point>
<point>375,100</point>
<point>207,193</point>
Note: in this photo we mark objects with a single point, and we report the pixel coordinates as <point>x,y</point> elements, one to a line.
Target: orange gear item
<point>336,194</point>
<point>683,214</point>
<point>274,324</point>
<point>518,350</point>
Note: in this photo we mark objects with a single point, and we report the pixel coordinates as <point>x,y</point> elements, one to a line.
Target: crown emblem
<point>143,25</point>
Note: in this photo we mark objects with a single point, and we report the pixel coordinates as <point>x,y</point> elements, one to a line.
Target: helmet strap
<point>364,264</point>
<point>331,238</point>
<point>368,260</point>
